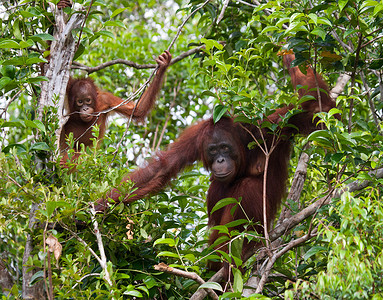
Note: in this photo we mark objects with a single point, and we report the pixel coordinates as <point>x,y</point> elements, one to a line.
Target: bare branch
<point>129,63</point>
<point>225,5</point>
<point>103,261</point>
<point>340,84</point>
<point>191,275</point>
<point>271,262</point>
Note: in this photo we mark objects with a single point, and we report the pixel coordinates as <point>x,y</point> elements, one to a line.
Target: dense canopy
<point>327,239</point>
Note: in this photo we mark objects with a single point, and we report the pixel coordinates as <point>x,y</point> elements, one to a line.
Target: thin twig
<point>100,244</point>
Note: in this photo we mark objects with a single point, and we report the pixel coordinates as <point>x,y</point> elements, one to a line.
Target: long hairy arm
<point>166,165</point>
<point>312,85</point>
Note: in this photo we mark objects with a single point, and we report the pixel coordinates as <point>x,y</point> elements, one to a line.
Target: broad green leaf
<point>342,4</point>
<point>218,112</point>
<point>314,250</point>
<point>211,285</point>
<point>295,15</point>
<point>117,11</point>
<point>323,20</point>
<point>236,247</point>
<point>16,61</point>
<point>314,18</point>
<point>4,81</point>
<point>26,44</point>
<point>236,223</point>
<point>8,44</point>
<point>222,203</point>
<point>40,146</point>
<point>79,51</point>
<point>133,293</point>
<point>334,111</point>
<point>211,43</point>
<point>35,124</point>
<point>238,281</point>
<point>16,29</point>
<point>35,60</point>
<point>107,33</point>
<point>115,24</point>
<point>221,229</point>
<point>43,37</point>
<point>378,8</point>
<point>209,93</point>
<point>167,241</point>
<point>168,254</point>
<point>36,276</point>
<point>37,79</point>
<point>319,32</point>
<point>19,124</point>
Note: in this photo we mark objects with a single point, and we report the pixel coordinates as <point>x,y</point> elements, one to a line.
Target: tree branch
<point>129,63</point>
<point>191,275</point>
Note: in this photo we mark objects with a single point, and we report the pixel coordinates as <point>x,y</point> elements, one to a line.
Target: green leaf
<point>334,111</point>
<point>19,148</point>
<point>211,43</point>
<point>238,281</point>
<point>319,32</point>
<point>168,241</point>
<point>236,247</point>
<point>222,203</point>
<point>42,37</point>
<point>107,33</point>
<point>16,61</point>
<point>4,81</point>
<point>18,124</point>
<point>314,18</point>
<point>8,44</point>
<point>236,223</point>
<point>221,229</point>
<point>37,79</point>
<point>79,51</point>
<point>342,4</point>
<point>211,285</point>
<point>8,71</point>
<point>16,29</point>
<point>209,93</point>
<point>117,11</point>
<point>168,254</point>
<point>133,293</point>
<point>26,44</point>
<point>50,207</point>
<point>35,124</point>
<point>36,276</point>
<point>378,8</point>
<point>218,112</point>
<point>319,134</point>
<point>35,60</point>
<point>314,250</point>
<point>323,20</point>
<point>40,146</point>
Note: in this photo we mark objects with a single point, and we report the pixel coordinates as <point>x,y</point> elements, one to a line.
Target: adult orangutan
<point>236,171</point>
<point>89,106</point>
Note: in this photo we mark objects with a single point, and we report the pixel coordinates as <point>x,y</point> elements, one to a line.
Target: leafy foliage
<point>238,73</point>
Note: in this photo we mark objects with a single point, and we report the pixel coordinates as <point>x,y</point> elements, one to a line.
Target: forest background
<point>327,238</point>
